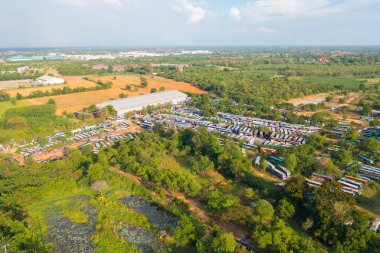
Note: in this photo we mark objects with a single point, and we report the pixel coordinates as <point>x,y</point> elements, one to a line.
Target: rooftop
<point>127,104</point>
<point>49,78</point>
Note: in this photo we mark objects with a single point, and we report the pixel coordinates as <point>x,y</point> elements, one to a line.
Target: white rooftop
<point>49,78</point>
<point>138,102</point>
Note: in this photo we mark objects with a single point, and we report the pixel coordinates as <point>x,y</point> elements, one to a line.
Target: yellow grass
<point>373,80</point>
<point>77,101</point>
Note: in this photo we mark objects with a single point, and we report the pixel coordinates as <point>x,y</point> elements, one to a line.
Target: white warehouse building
<point>137,103</point>
<point>46,80</point>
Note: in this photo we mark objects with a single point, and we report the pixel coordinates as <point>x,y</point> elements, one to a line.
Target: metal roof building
<point>45,80</point>
<point>137,103</point>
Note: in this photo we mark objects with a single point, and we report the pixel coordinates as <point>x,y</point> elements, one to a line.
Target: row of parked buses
<point>370,172</point>
<point>350,184</point>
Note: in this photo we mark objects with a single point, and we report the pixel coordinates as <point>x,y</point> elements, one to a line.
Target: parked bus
<point>257,160</point>
<point>276,159</point>
<point>365,159</point>
<point>358,179</point>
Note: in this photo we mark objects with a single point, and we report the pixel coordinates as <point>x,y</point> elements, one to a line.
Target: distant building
<point>119,68</point>
<point>323,59</point>
<point>21,70</point>
<point>100,67</point>
<point>49,80</point>
<point>137,103</point>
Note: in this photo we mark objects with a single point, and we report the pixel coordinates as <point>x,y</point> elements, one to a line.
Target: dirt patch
<point>312,99</point>
<point>14,84</point>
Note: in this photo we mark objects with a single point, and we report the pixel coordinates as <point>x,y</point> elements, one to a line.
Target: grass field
<point>77,101</point>
<point>348,82</point>
<point>7,105</point>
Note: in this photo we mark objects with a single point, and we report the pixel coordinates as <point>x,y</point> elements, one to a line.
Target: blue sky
<point>42,23</point>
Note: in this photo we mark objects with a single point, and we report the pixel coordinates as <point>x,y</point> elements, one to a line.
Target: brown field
<point>77,101</point>
<point>312,99</point>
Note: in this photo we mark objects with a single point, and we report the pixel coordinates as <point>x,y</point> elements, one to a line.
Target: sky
<point>66,23</point>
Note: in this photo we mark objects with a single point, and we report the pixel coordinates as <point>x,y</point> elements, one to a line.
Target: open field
<point>348,82</point>
<point>77,101</point>
<point>14,84</point>
<point>312,99</point>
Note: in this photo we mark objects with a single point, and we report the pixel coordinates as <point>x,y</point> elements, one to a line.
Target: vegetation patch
<point>155,215</point>
<point>69,236</point>
<point>143,239</point>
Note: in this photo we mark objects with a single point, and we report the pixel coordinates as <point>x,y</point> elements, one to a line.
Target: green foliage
<point>188,231</point>
<point>143,82</point>
<point>286,209</point>
<point>263,210</point>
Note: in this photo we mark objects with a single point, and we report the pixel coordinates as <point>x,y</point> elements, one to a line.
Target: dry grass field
<point>77,101</point>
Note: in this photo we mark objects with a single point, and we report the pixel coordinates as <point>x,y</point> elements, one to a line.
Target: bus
<point>257,160</point>
<point>276,159</point>
<point>267,150</point>
<point>358,184</point>
<point>249,146</point>
<point>347,184</point>
<point>365,159</point>
<point>313,183</point>
<point>358,179</point>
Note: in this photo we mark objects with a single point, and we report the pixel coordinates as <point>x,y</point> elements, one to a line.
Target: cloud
<point>235,13</point>
<point>194,13</point>
<point>117,4</point>
<point>264,10</point>
<point>265,30</point>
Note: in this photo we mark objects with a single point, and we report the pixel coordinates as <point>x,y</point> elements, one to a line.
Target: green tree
<point>291,162</point>
<point>18,96</point>
<point>285,209</point>
<point>143,82</point>
<point>263,210</point>
<point>123,95</point>
<point>188,230</point>
<point>224,243</point>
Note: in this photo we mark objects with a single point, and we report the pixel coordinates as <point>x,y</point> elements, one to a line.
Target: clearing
<point>312,99</point>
